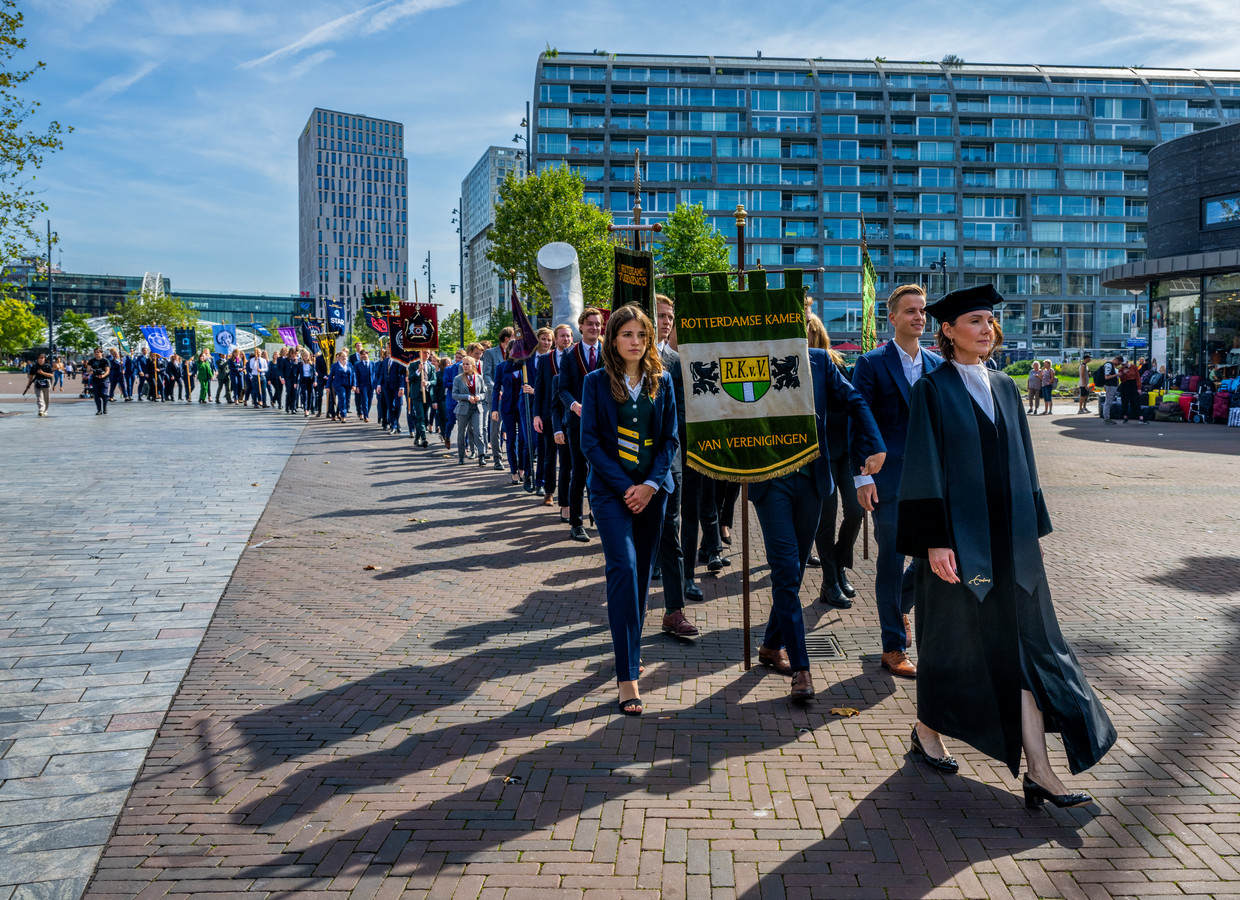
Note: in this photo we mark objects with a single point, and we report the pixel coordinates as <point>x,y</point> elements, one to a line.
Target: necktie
<point>591,357</point>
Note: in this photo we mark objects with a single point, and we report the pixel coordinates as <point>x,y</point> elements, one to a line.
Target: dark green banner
<point>633,279</point>
<point>749,396</point>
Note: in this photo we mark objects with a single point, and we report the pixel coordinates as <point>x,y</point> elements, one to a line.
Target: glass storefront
<point>1199,320</point>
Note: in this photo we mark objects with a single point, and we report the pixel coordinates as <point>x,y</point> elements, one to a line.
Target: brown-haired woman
<point>994,669</point>
<point>628,432</point>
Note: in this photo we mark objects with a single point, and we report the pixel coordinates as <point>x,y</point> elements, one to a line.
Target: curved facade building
<point>1192,272</point>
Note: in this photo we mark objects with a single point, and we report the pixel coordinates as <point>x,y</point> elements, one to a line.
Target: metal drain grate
<point>823,647</point>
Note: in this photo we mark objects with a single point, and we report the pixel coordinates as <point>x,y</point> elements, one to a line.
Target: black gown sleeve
<point>922,521</point>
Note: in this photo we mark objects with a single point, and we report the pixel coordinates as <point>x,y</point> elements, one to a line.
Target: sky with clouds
<point>186,112</point>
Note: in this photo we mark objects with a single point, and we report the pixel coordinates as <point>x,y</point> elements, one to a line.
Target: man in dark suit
<point>382,402</point>
<point>788,508</point>
<point>581,360</point>
<point>884,377</point>
<point>671,557</point>
<point>554,460</point>
<point>394,392</point>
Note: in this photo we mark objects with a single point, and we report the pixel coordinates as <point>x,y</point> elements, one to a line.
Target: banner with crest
<point>749,395</point>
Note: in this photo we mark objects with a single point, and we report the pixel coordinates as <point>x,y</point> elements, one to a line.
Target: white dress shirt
<point>977,383</point>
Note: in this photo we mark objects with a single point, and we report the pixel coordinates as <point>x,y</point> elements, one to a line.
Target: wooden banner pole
<point>745,625</point>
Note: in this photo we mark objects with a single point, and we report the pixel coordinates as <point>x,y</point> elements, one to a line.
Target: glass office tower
<point>1030,177</point>
<point>353,208</point>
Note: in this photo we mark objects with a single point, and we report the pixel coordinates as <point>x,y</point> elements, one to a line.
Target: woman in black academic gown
<point>993,668</point>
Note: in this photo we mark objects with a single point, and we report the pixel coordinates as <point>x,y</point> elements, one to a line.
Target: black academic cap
<point>964,300</point>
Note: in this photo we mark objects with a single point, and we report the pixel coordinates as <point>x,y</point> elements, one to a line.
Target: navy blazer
<point>833,392</point>
<point>879,378</point>
<point>671,365</point>
<point>573,372</point>
<point>598,436</point>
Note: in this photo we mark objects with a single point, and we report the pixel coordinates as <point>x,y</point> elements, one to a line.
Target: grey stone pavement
<point>118,535</point>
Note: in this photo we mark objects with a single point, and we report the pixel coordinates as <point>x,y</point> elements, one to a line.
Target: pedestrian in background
<point>469,390</point>
<point>42,374</point>
<point>1049,381</point>
<point>1034,388</point>
<point>97,372</point>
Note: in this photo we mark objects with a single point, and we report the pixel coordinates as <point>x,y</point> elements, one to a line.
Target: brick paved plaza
<point>443,725</point>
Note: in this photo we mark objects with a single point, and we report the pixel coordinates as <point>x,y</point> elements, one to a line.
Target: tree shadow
<point>1212,575</point>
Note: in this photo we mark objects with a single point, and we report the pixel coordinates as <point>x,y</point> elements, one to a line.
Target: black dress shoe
<point>942,763</point>
<point>1036,795</point>
<point>715,562</point>
<point>693,592</point>
<point>813,562</point>
<point>846,587</point>
<point>577,533</point>
<point>833,598</point>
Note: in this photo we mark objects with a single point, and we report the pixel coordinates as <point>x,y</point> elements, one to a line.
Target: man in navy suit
<point>788,508</point>
<point>884,377</point>
<point>548,421</point>
<point>580,361</point>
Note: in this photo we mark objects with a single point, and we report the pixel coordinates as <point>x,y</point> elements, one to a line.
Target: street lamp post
<point>459,221</point>
<point>51,337</point>
<point>941,265</point>
<point>518,138</point>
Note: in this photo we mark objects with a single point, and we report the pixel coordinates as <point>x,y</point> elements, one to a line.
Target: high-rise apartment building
<point>353,205</point>
<point>1031,177</point>
<point>479,195</point>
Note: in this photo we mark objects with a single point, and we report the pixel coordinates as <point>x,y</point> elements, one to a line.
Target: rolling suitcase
<point>1222,402</point>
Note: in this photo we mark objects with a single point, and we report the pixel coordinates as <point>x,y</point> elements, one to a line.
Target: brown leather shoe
<point>548,500</point>
<point>802,686</point>
<point>897,663</point>
<point>908,633</point>
<point>775,659</point>
<point>675,624</point>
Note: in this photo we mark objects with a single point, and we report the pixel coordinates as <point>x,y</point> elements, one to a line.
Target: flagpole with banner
<point>869,339</point>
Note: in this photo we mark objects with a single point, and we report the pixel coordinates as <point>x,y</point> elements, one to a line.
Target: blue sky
<point>184,157</point>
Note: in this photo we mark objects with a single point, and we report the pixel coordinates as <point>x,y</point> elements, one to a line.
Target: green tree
<point>20,328</point>
<point>500,319</point>
<point>690,244</point>
<point>74,333</point>
<point>541,209</point>
<point>21,150</point>
<point>138,309</point>
<point>450,333</point>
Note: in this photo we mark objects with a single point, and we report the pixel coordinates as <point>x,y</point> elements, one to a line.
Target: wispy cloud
<point>368,20</point>
<point>110,87</point>
<point>310,62</point>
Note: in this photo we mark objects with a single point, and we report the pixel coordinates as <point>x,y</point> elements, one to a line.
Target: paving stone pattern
<point>444,726</point>
<point>118,534</point>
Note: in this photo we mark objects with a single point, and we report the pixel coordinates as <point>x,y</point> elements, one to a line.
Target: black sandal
<point>631,707</point>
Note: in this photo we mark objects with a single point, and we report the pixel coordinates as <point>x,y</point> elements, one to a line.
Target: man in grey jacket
<point>491,359</point>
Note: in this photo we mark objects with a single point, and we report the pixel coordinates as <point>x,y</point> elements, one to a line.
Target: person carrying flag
<point>343,382</point>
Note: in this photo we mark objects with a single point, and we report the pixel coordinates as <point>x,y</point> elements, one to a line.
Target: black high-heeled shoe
<point>942,763</point>
<point>1036,795</point>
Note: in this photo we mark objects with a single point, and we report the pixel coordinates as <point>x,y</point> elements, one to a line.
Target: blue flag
<point>225,338</point>
<point>335,316</point>
<point>260,330</point>
<point>309,335</point>
<point>157,339</point>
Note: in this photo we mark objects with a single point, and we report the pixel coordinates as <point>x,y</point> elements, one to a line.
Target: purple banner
<point>289,336</point>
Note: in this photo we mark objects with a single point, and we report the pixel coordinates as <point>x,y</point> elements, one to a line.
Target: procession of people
<point>934,445</point>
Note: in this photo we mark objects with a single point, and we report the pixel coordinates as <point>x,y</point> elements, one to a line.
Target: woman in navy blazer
<point>628,434</point>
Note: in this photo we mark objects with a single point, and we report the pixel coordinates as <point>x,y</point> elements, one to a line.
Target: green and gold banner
<point>633,280</point>
<point>749,395</point>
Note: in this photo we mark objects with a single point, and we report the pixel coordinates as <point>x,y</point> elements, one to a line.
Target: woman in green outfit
<point>205,372</point>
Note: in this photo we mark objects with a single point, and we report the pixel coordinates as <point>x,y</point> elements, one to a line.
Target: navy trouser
<point>415,417</point>
<point>671,557</point>
<point>518,450</point>
<point>788,509</point>
<point>893,584</point>
<point>449,421</point>
<point>580,471</point>
<point>99,388</point>
<point>548,450</point>
<point>363,404</point>
<point>393,416</point>
<point>629,543</point>
<point>307,394</point>
<point>342,401</point>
